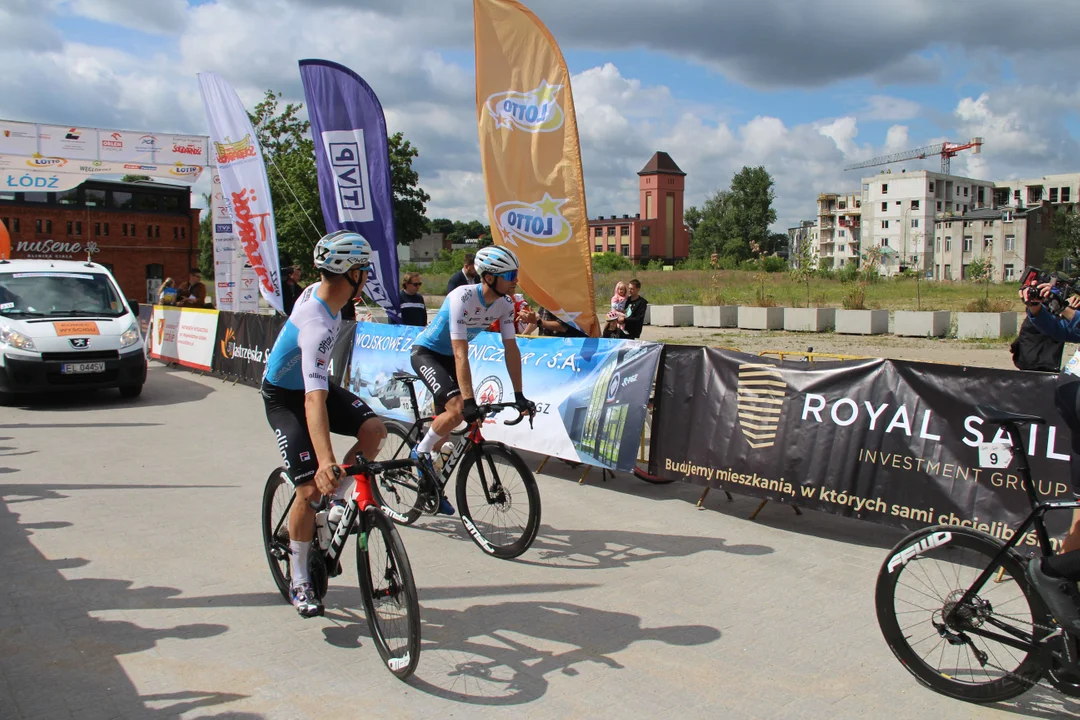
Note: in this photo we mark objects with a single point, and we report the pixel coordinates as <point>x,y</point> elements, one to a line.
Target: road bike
<point>501,513</point>
<point>385,575</point>
<point>956,608</point>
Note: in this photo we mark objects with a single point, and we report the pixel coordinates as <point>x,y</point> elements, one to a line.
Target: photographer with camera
<point>1052,310</point>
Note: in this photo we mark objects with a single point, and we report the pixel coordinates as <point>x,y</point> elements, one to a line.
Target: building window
<point>157,231</point>
<point>106,229</point>
<point>36,197</point>
<point>132,233</point>
<point>948,243</point>
<point>599,249</point>
<point>1010,242</point>
<point>78,227</point>
<point>914,204</point>
<point>97,229</point>
<point>149,231</point>
<point>884,224</point>
<point>841,248</point>
<point>914,222</point>
<point>1065,194</point>
<point>611,231</point>
<point>610,248</point>
<point>937,245</point>
<point>626,250</point>
<point>183,233</point>
<point>94,198</point>
<point>939,206</point>
<point>645,231</point>
<point>598,232</point>
<point>987,240</point>
<point>1009,272</point>
<point>122,200</point>
<point>67,197</point>
<point>71,226</point>
<point>625,232</point>
<point>967,243</point>
<point>175,233</point>
<point>965,191</point>
<point>931,186</point>
<point>124,227</point>
<point>842,205</point>
<point>948,272</point>
<point>884,242</point>
<point>884,207</point>
<point>645,250</point>
<point>884,188</point>
<point>1053,195</point>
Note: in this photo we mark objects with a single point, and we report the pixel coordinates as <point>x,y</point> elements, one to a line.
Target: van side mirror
<point>134,305</point>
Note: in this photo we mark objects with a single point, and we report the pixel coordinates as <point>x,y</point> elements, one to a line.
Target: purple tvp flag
<point>352,154</point>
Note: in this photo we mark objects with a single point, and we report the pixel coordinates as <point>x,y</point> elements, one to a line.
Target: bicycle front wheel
<point>921,581</point>
<point>275,527</point>
<point>498,500</point>
<point>398,491</point>
<point>389,592</point>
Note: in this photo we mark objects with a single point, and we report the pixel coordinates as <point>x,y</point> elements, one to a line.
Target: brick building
<point>142,231</point>
<point>657,229</point>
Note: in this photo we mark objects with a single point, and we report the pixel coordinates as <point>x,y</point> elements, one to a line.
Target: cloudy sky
<point>803,88</point>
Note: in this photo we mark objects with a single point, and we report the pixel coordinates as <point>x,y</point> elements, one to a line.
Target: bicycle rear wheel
<point>919,583</point>
<point>398,491</point>
<point>389,592</point>
<point>501,508</point>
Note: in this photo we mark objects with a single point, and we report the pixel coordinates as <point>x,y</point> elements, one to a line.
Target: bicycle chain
<point>1016,676</point>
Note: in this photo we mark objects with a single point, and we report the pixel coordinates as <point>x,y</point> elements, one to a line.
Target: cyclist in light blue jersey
<point>303,407</point>
<point>440,354</point>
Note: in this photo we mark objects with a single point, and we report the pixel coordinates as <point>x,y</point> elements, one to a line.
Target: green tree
<point>1066,226</point>
<point>710,225</point>
<point>409,197</point>
<point>206,242</point>
<point>441,225</point>
<point>751,212</point>
<point>804,264</point>
<point>981,270</point>
<point>134,178</point>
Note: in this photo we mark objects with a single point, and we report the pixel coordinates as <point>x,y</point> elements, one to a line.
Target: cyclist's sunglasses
<point>509,275</point>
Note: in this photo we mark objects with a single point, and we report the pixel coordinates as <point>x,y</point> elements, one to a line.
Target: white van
<point>64,325</point>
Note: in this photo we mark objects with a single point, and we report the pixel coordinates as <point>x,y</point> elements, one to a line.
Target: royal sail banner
<point>591,394</point>
<point>243,182</point>
<point>81,151</point>
<point>531,159</point>
<point>353,158</point>
<point>889,441</point>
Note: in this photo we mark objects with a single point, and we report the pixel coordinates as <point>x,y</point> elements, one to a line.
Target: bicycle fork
<point>360,501</point>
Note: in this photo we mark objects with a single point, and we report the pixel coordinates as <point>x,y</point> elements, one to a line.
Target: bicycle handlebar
<point>493,408</point>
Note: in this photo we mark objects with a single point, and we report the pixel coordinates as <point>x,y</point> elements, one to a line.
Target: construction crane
<point>946,150</point>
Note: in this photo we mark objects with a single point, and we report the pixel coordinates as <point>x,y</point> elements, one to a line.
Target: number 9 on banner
<point>995,455</point>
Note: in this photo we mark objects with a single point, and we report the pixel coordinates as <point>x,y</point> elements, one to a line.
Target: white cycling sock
<point>428,443</point>
<point>298,557</point>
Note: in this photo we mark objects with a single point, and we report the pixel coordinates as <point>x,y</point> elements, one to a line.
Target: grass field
<point>734,287</point>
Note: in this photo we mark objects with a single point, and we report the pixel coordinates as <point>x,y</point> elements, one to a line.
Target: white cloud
<point>160,17</point>
<point>886,107</point>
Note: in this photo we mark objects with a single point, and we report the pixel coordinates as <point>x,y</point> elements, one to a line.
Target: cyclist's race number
<point>995,455</point>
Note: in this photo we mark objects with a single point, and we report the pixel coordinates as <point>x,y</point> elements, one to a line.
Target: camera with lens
<point>1061,289</point>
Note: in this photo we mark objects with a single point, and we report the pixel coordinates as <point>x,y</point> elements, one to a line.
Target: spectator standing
<point>413,309</point>
<point>292,289</point>
<point>633,319</point>
<point>193,292</point>
<point>1034,351</point>
<point>167,294</point>
<point>465,276</point>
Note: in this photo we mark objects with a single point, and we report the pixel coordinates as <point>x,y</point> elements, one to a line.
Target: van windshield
<point>51,293</point>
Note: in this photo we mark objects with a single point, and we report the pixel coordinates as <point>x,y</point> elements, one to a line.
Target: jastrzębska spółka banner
<point>531,158</point>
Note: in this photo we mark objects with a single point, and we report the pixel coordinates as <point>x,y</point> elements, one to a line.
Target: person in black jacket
<point>413,310</point>
<point>1034,351</point>
<point>634,318</point>
<point>465,276</point>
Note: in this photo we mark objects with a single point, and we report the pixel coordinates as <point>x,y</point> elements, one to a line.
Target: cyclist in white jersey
<point>303,407</point>
<point>440,354</point>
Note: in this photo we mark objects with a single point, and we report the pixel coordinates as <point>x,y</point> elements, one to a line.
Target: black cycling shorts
<point>286,414</point>
<point>439,373</point>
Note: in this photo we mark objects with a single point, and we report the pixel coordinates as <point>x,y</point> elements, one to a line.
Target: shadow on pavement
<point>59,660</point>
<point>598,549</point>
<point>164,386</point>
<point>1040,702</point>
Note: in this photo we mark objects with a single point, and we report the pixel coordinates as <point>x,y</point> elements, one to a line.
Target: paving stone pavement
<point>135,586</point>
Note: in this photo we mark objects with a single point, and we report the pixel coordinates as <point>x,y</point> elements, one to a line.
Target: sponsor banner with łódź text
<point>184,335</point>
<point>591,394</point>
<point>243,344</point>
<point>889,441</point>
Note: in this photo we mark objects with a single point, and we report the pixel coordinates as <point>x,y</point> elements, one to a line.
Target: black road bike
<point>956,608</point>
<point>385,575</point>
<point>497,496</point>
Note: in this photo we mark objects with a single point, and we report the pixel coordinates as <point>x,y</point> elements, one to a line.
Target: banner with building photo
<point>889,441</point>
<point>590,393</point>
<point>183,335</point>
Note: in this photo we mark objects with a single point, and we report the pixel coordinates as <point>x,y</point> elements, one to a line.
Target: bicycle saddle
<point>402,375</point>
<point>991,414</point>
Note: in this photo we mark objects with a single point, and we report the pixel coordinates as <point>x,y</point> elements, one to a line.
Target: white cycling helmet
<point>495,259</point>
<point>341,251</point>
